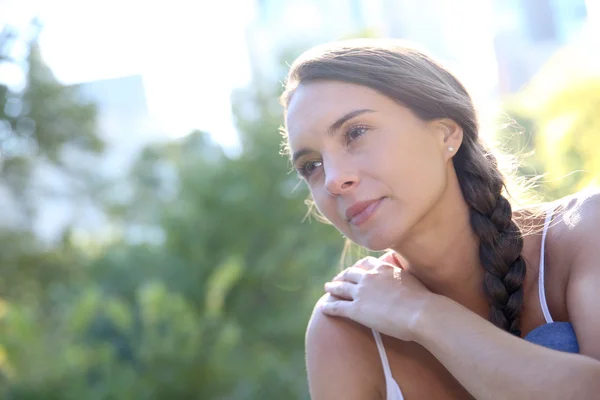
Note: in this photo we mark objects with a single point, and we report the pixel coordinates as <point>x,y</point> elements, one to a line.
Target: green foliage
<point>214,307</point>
<point>38,123</point>
<point>560,129</point>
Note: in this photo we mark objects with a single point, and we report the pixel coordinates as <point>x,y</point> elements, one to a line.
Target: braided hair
<point>500,239</point>
<point>417,81</point>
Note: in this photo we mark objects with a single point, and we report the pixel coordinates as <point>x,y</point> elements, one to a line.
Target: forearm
<point>493,364</point>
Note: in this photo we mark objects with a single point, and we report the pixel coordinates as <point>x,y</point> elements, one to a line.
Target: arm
<point>339,359</point>
<point>493,364</point>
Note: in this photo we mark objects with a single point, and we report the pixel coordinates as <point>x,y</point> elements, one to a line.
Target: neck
<point>443,252</point>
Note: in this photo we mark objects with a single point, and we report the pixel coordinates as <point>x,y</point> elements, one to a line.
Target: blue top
<point>555,335</point>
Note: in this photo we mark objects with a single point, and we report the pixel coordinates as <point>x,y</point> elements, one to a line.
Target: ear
<point>450,135</point>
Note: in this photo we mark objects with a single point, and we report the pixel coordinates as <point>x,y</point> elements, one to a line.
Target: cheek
<point>322,203</point>
<point>327,207</point>
<point>416,175</point>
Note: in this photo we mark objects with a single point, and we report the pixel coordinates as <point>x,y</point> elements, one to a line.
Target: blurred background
<point>153,243</point>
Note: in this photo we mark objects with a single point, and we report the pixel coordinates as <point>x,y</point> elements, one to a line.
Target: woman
<point>387,141</point>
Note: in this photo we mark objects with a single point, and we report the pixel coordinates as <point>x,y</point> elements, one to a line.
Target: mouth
<point>360,212</point>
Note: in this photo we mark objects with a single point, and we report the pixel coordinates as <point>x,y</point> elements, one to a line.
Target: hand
<point>379,295</point>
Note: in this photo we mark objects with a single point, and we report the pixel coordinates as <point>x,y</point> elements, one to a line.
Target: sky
<point>191,54</point>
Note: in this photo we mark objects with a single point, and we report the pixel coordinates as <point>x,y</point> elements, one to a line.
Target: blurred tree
<point>235,247</point>
<point>569,131</point>
<point>40,122</point>
<point>209,299</point>
<point>561,126</point>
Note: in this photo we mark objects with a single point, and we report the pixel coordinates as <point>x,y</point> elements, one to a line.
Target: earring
<point>450,149</point>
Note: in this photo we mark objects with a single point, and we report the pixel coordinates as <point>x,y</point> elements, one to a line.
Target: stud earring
<point>451,149</point>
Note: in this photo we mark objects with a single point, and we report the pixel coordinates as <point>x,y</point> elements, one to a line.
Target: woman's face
<point>373,167</point>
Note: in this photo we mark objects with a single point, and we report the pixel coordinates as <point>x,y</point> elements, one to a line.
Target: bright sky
<point>192,53</point>
<point>190,58</point>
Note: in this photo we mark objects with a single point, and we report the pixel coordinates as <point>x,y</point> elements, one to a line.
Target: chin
<point>383,237</point>
<point>374,242</point>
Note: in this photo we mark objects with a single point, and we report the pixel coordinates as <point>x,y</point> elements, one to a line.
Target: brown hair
<point>418,82</point>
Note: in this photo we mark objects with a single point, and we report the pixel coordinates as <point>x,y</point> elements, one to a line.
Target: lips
<point>360,211</point>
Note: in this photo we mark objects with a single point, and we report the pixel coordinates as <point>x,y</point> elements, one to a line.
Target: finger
<point>388,257</point>
<point>367,263</point>
<point>337,308</point>
<point>341,289</point>
<point>352,274</point>
<point>328,297</point>
<point>391,257</point>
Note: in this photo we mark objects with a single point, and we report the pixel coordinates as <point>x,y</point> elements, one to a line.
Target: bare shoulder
<point>575,229</point>
<point>581,219</point>
<point>574,217</point>
<point>573,249</point>
<point>341,359</point>
<point>343,362</point>
<point>574,226</point>
<point>580,246</point>
<point>579,232</point>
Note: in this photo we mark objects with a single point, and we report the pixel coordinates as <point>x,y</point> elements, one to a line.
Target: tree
<point>215,305</point>
<point>558,111</point>
<point>40,120</point>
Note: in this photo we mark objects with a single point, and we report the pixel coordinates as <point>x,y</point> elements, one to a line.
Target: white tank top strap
<point>542,290</point>
<point>392,389</point>
<point>384,360</point>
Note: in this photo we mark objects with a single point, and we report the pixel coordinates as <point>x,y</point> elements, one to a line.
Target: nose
<point>339,179</point>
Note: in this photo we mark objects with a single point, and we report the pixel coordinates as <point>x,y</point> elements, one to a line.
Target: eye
<point>355,132</point>
<point>307,168</point>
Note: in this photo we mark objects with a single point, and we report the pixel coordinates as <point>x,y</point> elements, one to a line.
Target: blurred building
<point>126,126</point>
<point>529,32</point>
<point>124,121</point>
<point>494,46</point>
<point>281,28</point>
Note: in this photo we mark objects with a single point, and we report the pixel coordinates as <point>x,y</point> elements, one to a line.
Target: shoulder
<point>573,234</point>
<point>341,358</point>
<point>571,228</point>
<point>574,219</point>
<point>580,246</point>
<point>578,226</point>
<point>343,363</point>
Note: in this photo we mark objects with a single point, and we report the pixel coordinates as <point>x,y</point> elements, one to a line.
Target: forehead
<point>316,105</point>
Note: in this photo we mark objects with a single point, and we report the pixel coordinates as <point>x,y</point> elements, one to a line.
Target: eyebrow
<point>333,129</point>
<point>341,121</point>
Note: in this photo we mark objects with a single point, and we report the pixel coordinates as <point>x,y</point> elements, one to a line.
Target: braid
<point>500,238</point>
